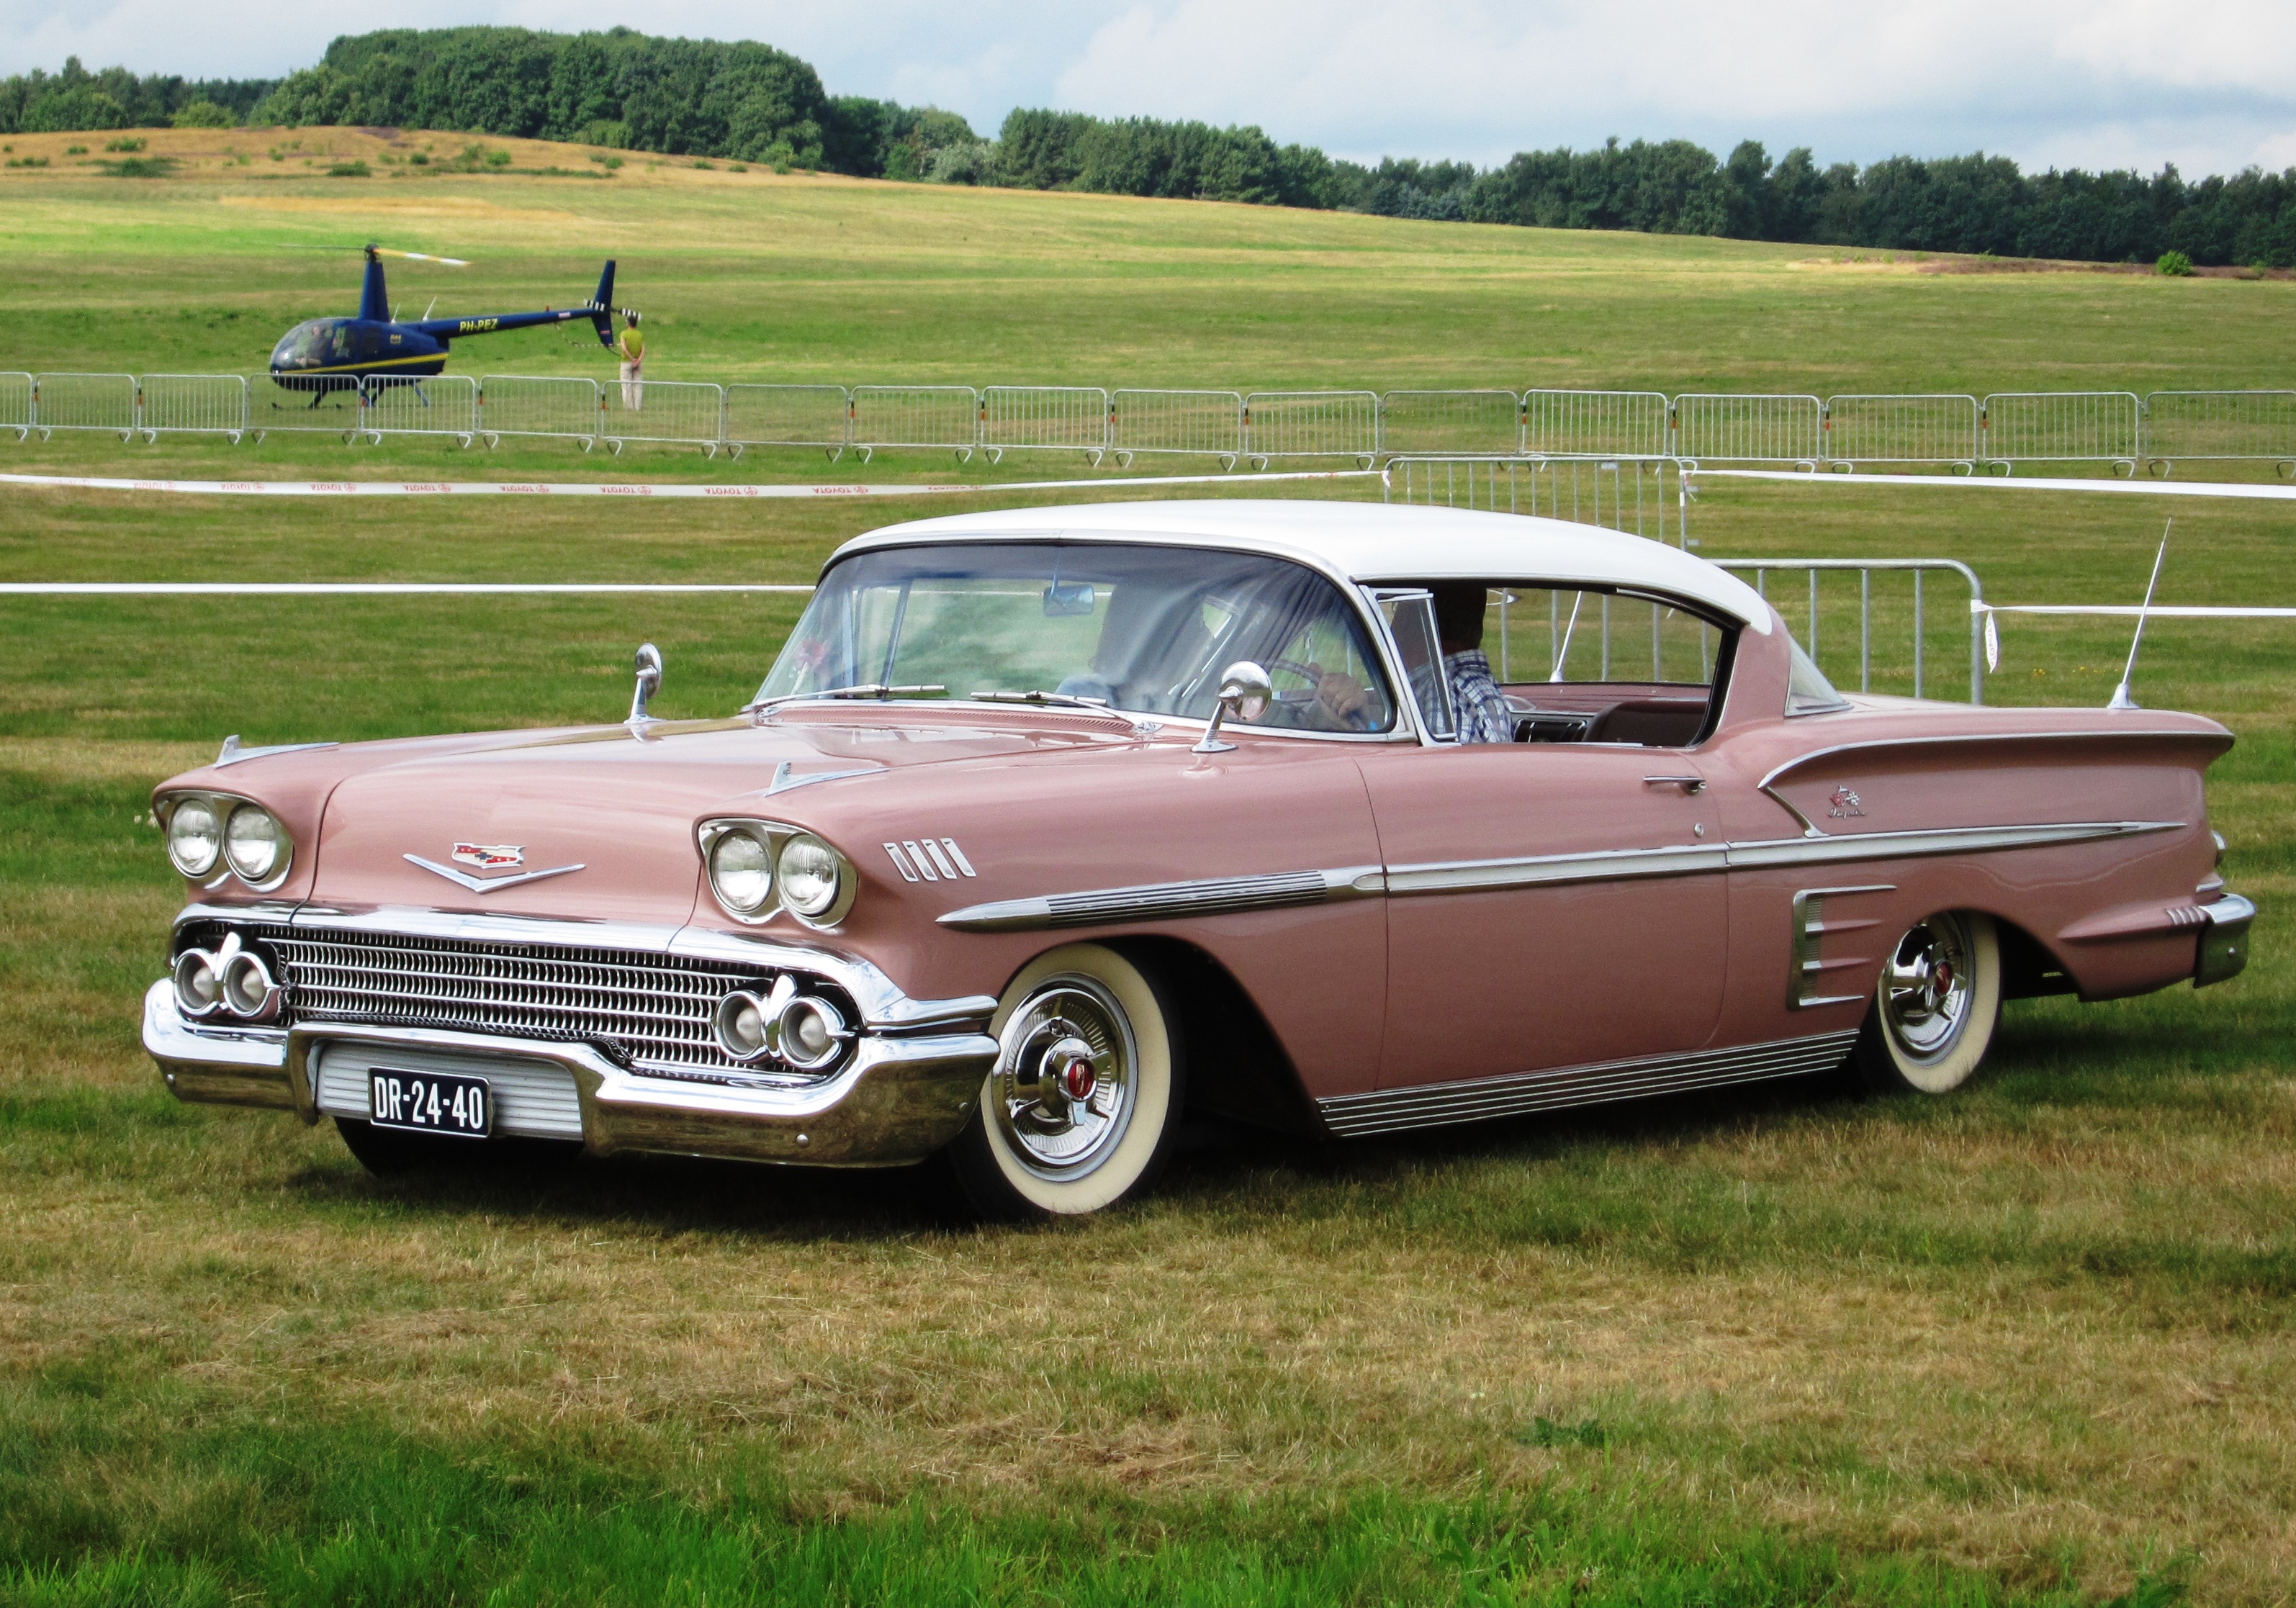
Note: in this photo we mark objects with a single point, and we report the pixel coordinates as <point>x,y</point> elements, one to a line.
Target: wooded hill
<point>751,103</point>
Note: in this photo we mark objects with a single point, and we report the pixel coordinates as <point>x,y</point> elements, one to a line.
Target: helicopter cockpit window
<point>309,346</point>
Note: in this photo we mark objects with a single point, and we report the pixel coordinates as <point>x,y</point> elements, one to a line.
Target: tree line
<point>748,101</point>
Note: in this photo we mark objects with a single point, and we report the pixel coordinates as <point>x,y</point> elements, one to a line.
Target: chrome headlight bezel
<point>193,869</point>
<point>273,871</point>
<point>829,910</point>
<point>224,808</point>
<point>776,836</point>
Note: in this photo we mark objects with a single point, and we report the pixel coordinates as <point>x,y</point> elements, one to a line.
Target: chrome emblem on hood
<point>489,856</point>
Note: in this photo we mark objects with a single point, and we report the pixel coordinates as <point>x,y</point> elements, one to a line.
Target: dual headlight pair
<point>757,867</point>
<point>207,830</point>
<point>228,980</point>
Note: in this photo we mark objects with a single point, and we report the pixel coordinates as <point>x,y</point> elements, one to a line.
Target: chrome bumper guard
<point>2224,940</point>
<point>904,1092</point>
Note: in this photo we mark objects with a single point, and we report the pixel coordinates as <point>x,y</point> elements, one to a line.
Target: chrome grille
<point>654,1008</point>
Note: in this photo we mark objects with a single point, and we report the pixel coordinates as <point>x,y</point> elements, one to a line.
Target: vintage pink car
<point>1050,827</point>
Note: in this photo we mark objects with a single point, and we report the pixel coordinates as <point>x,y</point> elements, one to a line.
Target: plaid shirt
<point>1484,717</point>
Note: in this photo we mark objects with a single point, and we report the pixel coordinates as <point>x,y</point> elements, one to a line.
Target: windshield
<point>1145,629</point>
<point>309,346</point>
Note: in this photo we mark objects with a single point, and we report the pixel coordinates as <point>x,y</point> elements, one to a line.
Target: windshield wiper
<point>1070,700</point>
<point>1066,700</point>
<point>876,689</point>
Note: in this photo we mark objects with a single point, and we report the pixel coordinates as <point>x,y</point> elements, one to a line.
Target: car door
<point>1550,906</point>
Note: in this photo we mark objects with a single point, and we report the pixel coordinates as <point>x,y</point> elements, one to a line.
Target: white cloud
<point>2208,84</point>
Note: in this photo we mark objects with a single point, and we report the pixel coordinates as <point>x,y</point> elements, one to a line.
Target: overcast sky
<point>2210,85</point>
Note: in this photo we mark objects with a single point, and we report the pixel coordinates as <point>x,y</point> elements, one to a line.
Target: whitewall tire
<point>1080,1112</point>
<point>1936,1002</point>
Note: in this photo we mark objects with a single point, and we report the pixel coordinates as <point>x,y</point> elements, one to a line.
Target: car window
<point>1145,628</point>
<point>1554,634</point>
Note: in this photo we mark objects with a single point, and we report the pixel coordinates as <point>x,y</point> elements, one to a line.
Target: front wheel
<point>1079,1111</point>
<point>1935,1006</point>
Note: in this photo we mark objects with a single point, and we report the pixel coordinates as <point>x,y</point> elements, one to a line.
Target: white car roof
<point>1368,543</point>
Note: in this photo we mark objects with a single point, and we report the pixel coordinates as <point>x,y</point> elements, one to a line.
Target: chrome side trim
<point>1168,901</point>
<point>1932,840</point>
<point>1221,895</point>
<point>1598,865</point>
<point>1440,1104</point>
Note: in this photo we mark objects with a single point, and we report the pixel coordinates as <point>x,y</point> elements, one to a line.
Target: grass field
<point>2030,1345</point>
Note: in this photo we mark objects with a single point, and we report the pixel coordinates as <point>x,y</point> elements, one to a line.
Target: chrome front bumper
<point>900,1098</point>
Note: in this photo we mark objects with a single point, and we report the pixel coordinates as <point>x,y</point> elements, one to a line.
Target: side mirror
<point>1244,694</point>
<point>649,669</point>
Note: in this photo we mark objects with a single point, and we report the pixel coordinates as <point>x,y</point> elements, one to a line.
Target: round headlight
<point>811,875</point>
<point>194,837</point>
<point>199,986</point>
<point>811,1032</point>
<point>740,1023</point>
<point>741,872</point>
<point>255,844</point>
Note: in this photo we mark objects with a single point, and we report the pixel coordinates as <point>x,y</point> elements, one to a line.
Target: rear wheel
<point>1935,1005</point>
<point>1079,1111</point>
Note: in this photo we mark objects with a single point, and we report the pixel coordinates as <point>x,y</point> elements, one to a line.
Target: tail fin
<point>374,301</point>
<point>602,307</point>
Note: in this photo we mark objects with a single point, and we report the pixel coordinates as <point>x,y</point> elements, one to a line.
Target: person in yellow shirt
<point>632,348</point>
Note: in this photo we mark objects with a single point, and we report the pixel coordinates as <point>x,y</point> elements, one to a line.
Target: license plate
<point>430,1102</point>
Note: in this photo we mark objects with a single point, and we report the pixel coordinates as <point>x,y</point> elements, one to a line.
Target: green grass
<point>2030,1345</point>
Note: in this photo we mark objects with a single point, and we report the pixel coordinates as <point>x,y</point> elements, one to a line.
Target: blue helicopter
<point>322,355</point>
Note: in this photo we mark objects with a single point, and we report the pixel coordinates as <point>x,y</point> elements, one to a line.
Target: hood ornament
<point>488,856</point>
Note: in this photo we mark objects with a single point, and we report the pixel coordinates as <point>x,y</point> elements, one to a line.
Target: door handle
<point>1689,784</point>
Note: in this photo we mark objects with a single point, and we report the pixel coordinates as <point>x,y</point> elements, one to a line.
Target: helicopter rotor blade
<point>421,256</point>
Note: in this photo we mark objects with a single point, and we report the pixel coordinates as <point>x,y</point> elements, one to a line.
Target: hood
<point>599,824</point>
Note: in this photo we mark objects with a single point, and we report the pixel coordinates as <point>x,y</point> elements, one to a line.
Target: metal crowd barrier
<point>1577,423</point>
<point>1943,429</point>
<point>192,404</point>
<point>1937,428</point>
<point>522,405</point>
<point>684,413</point>
<point>16,402</point>
<point>1450,421</point>
<point>1866,570</point>
<point>84,401</point>
<point>2220,426</point>
<point>1204,422</point>
<point>435,405</point>
<point>946,416</point>
<point>1636,496</point>
<point>2062,426</point>
<point>789,415</point>
<point>1311,424</point>
<point>1044,418</point>
<point>272,406</point>
<point>1750,427</point>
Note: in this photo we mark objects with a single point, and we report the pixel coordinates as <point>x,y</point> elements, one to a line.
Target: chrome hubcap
<point>1064,1085</point>
<point>1925,992</point>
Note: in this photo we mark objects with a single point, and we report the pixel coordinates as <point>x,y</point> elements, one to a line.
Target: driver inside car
<point>1477,703</point>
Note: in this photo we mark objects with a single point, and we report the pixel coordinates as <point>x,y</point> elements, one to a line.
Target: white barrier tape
<point>2148,488</point>
<point>594,488</point>
<point>2130,610</point>
<point>333,589</point>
